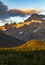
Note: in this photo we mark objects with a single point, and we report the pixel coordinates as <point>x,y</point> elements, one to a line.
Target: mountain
<point>35,17</point>
<point>8,41</point>
<point>32,28</point>
<point>32,45</point>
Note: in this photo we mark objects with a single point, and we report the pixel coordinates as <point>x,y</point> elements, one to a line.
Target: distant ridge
<point>8,41</point>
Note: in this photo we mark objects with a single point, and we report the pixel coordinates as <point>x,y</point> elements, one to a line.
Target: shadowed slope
<point>8,41</point>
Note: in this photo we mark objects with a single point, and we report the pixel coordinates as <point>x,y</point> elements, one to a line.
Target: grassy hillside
<point>28,46</point>
<point>30,53</point>
<point>32,45</point>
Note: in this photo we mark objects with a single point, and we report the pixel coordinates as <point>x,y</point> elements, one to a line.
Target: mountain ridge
<point>28,30</point>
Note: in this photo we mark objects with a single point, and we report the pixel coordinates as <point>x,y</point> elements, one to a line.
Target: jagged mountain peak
<point>35,17</point>
<point>30,29</point>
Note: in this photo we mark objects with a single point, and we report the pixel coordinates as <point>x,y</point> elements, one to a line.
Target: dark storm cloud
<point>3,7</point>
<point>3,10</point>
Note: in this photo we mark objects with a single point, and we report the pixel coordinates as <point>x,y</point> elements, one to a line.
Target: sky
<point>24,4</point>
<point>19,10</point>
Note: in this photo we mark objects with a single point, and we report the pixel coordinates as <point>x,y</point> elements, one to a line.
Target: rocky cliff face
<point>32,28</point>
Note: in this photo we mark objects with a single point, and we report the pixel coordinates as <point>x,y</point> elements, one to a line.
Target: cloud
<point>23,12</point>
<point>18,12</point>
<point>6,13</point>
<point>3,7</point>
<point>3,10</point>
<point>16,19</point>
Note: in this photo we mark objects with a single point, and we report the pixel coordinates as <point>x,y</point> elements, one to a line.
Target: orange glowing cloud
<point>30,11</point>
<point>25,11</point>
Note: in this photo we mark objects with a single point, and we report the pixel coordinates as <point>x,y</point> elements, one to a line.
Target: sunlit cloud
<point>16,19</point>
